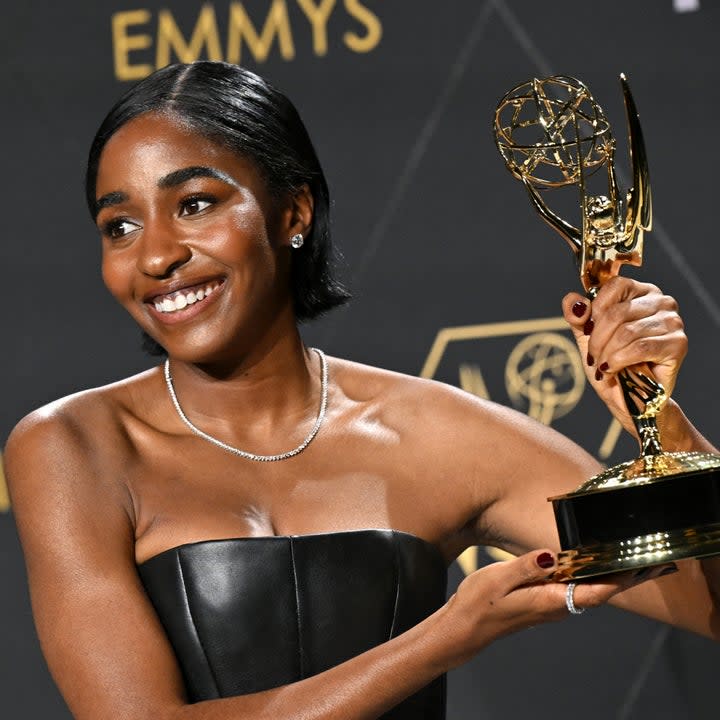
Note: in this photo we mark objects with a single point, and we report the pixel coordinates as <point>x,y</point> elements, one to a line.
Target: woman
<point>208,539</point>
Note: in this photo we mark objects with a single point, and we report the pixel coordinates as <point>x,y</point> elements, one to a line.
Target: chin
<point>208,349</point>
<point>226,338</point>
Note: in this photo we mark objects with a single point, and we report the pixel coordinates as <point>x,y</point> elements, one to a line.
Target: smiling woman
<point>255,530</point>
<point>192,228</point>
<point>234,109</point>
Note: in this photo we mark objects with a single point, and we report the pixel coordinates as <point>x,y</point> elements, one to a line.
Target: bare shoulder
<point>367,382</point>
<point>431,404</point>
<point>76,437</point>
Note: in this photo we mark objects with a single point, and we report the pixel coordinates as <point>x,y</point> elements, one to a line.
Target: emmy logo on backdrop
<point>544,376</point>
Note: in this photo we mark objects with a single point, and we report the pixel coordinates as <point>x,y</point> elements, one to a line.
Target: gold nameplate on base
<point>661,506</point>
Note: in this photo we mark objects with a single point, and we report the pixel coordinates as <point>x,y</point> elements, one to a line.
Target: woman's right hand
<point>508,596</point>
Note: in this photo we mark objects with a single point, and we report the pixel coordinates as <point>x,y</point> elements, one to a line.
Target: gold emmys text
<point>144,41</point>
<point>4,497</point>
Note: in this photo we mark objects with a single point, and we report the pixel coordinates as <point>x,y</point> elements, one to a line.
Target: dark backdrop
<point>454,276</point>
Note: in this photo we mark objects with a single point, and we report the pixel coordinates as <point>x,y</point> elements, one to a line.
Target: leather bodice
<point>250,614</point>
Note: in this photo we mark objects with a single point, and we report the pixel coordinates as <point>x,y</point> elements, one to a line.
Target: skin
<point>110,477</point>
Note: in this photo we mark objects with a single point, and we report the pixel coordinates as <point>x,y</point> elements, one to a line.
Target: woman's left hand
<point>629,322</point>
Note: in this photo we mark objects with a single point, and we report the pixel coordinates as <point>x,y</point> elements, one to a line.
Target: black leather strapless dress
<point>250,614</point>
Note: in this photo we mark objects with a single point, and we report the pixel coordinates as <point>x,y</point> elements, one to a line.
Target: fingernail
<point>588,327</point>
<point>579,308</point>
<point>642,574</point>
<point>545,560</point>
<point>668,571</point>
<point>604,367</point>
<point>590,360</point>
<point>598,375</point>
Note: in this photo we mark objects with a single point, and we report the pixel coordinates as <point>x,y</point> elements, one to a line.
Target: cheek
<point>115,276</point>
<point>249,220</point>
<point>240,238</point>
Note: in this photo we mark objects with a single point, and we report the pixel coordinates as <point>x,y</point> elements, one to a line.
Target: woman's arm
<point>104,644</point>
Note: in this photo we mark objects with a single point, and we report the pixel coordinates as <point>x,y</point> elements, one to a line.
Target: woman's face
<point>193,245</point>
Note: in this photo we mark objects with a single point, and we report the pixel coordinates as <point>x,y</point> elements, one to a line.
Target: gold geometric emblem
<point>544,376</point>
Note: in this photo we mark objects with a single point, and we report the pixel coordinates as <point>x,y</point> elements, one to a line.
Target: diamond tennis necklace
<point>243,453</point>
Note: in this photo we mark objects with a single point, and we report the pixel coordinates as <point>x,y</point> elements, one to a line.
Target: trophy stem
<point>644,398</point>
<point>649,436</point>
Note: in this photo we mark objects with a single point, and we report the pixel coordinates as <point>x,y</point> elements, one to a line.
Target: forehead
<point>153,145</point>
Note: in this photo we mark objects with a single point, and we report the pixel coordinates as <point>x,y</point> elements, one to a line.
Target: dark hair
<point>239,110</point>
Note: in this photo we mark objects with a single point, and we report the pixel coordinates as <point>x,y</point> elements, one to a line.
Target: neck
<point>265,403</point>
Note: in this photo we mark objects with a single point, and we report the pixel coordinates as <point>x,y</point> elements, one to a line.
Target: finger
<point>619,289</point>
<point>531,568</point>
<point>619,301</point>
<point>662,352</point>
<point>576,311</point>
<point>638,577</point>
<point>596,592</point>
<point>534,604</point>
<point>659,340</point>
<point>616,326</point>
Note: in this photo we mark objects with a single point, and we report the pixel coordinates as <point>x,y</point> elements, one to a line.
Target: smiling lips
<point>180,299</point>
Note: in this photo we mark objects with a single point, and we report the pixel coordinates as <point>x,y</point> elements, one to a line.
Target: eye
<point>196,204</point>
<point>118,228</point>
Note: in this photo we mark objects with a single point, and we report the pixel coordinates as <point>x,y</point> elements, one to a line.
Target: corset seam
<point>194,625</point>
<point>396,568</point>
<point>301,649</point>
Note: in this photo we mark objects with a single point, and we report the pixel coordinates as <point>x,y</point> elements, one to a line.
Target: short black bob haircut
<point>239,110</point>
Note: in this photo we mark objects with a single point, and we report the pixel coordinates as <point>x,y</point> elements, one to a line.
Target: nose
<point>161,251</point>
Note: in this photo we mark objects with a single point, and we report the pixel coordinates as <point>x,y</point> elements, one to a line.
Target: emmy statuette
<point>661,506</point>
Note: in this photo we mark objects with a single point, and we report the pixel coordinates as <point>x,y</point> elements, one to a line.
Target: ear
<point>299,213</point>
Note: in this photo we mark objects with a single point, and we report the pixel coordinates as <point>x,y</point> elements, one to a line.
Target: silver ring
<point>570,600</point>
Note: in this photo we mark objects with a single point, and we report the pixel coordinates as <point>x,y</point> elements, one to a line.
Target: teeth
<point>181,301</point>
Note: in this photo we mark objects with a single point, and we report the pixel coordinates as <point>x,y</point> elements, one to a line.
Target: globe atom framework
<point>547,130</point>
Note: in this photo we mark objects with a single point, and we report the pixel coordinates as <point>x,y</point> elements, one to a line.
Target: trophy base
<point>648,511</point>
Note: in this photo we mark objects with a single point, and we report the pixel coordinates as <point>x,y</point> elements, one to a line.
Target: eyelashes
<point>196,204</point>
<point>117,228</point>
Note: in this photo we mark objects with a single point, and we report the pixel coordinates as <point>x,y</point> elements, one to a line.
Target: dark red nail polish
<point>604,367</point>
<point>579,308</point>
<point>545,560</point>
<point>588,327</point>
<point>598,375</point>
<point>590,360</point>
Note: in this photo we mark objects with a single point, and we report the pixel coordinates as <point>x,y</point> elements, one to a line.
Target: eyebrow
<point>173,179</point>
<point>178,177</point>
<point>112,198</point>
